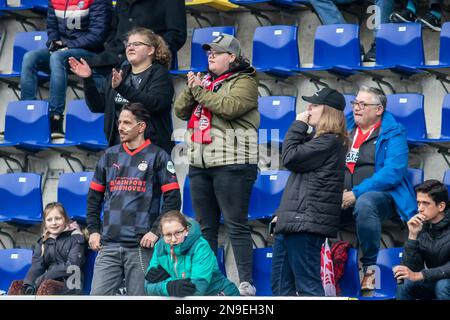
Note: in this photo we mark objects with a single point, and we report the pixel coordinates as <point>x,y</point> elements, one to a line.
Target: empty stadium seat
<point>386,260</point>
<point>444,49</point>
<point>266,193</point>
<point>200,36</point>
<point>399,48</point>
<point>262,269</point>
<point>89,271</point>
<point>275,50</point>
<point>415,177</point>
<point>72,193</point>
<point>445,123</point>
<point>24,42</point>
<point>277,112</point>
<point>84,127</point>
<point>446,180</point>
<point>350,283</point>
<point>348,106</point>
<point>188,210</point>
<point>342,40</point>
<point>14,265</point>
<point>27,125</point>
<point>20,198</point>
<point>408,109</point>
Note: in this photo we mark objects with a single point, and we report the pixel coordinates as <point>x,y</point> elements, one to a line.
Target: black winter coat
<point>166,18</point>
<point>68,249</point>
<point>155,92</point>
<point>312,199</point>
<point>432,248</point>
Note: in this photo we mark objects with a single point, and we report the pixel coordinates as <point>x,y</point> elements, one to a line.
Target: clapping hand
<point>80,68</point>
<point>194,79</point>
<point>116,78</point>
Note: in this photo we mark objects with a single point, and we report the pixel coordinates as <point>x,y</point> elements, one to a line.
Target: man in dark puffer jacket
<point>75,28</point>
<point>428,245</point>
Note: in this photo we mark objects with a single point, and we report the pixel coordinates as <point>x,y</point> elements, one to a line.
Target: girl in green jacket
<point>183,263</point>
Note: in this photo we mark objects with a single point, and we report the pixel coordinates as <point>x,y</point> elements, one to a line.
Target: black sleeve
<point>438,273</point>
<point>412,257</point>
<point>95,197</point>
<point>158,94</point>
<point>75,257</point>
<point>38,266</point>
<point>167,178</point>
<point>94,99</point>
<point>176,30</point>
<point>302,155</point>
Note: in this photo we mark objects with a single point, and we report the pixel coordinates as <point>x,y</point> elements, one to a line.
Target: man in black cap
<point>376,184</point>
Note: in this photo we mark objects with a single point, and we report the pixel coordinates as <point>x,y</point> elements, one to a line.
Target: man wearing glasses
<point>376,184</point>
<point>128,183</point>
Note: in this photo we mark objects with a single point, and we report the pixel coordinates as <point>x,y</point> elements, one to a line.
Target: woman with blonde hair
<point>314,150</point>
<point>145,79</point>
<point>62,245</point>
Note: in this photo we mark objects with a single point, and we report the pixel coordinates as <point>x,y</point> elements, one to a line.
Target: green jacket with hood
<point>194,260</point>
<point>234,123</point>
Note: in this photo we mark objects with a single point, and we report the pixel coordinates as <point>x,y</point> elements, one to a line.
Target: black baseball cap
<point>329,97</point>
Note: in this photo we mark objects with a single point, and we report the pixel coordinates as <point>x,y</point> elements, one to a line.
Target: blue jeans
<point>410,290</point>
<point>114,264</point>
<point>330,14</point>
<point>370,210</point>
<point>56,65</point>
<point>296,265</point>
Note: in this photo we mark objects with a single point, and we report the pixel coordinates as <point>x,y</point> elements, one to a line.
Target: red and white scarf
<point>200,119</point>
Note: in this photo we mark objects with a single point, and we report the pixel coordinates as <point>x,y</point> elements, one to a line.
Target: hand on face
<point>415,224</point>
<point>304,116</point>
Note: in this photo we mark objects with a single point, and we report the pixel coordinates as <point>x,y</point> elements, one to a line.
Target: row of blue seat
<point>399,48</point>
<point>21,195</point>
<point>27,127</point>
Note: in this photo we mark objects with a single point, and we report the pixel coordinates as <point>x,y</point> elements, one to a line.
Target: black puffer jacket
<point>155,92</point>
<point>312,198</point>
<point>68,249</point>
<point>432,248</point>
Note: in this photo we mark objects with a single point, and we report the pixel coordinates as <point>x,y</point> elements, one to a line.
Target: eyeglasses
<point>135,44</point>
<point>362,105</point>
<point>213,54</point>
<point>177,235</point>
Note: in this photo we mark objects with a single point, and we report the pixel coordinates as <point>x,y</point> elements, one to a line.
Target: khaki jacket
<point>234,123</point>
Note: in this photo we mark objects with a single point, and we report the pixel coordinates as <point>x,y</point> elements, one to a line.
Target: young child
<point>183,263</point>
<point>62,245</point>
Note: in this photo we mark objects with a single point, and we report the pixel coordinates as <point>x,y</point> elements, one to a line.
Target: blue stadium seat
<point>277,112</point>
<point>269,4</point>
<point>84,127</point>
<point>415,176</point>
<point>89,271</point>
<point>275,50</point>
<point>199,59</point>
<point>20,198</point>
<point>221,260</point>
<point>446,180</point>
<point>72,193</point>
<point>444,49</point>
<point>14,265</point>
<point>349,283</point>
<point>408,109</point>
<point>445,123</point>
<point>27,125</point>
<point>348,106</point>
<point>188,210</point>
<point>342,40</point>
<point>262,269</point>
<point>266,193</point>
<point>24,42</point>
<point>386,260</point>
<point>399,48</point>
